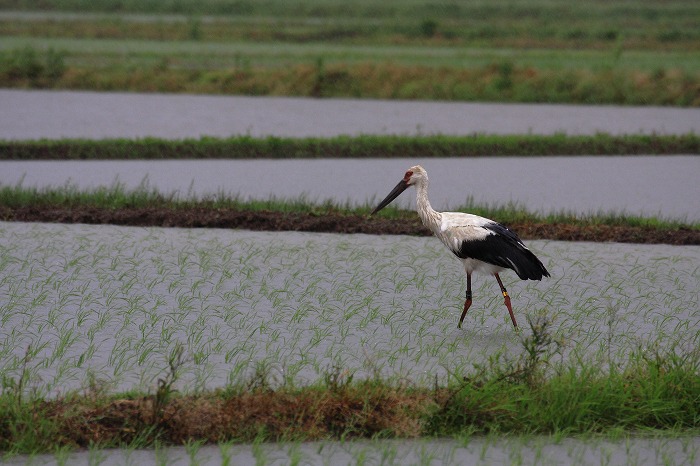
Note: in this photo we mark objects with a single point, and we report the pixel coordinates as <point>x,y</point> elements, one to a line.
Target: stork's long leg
<point>467,301</point>
<point>506,299</point>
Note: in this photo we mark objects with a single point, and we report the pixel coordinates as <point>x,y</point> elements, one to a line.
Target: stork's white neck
<point>427,214</point>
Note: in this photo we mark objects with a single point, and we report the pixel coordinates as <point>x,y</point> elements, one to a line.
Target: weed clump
<point>487,400</point>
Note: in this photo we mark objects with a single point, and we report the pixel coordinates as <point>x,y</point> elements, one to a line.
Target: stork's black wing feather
<point>503,248</point>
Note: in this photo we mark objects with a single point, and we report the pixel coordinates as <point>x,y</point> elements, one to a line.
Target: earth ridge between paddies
<point>334,220</point>
<point>144,208</point>
<point>365,146</point>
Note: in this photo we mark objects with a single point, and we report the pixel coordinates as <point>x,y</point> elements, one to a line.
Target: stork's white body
<point>458,230</point>
<point>483,245</point>
<point>455,228</point>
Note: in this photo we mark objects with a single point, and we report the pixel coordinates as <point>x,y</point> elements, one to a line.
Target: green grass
<point>540,52</point>
<point>652,393</point>
<point>648,394</point>
<point>245,54</point>
<point>117,197</point>
<point>500,81</point>
<point>503,22</point>
<point>245,147</point>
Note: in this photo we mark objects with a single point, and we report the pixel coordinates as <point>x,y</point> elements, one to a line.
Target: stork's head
<point>414,175</point>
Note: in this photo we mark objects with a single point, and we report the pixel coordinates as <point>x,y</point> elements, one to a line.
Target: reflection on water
<point>647,186</point>
<point>60,114</point>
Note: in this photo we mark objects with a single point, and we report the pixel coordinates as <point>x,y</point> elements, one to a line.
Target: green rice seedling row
<point>147,337</point>
<point>476,450</point>
<point>247,56</point>
<point>111,304</point>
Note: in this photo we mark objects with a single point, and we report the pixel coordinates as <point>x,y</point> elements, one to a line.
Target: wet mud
<point>197,217</point>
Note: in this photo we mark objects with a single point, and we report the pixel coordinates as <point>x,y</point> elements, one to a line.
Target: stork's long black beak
<point>401,187</point>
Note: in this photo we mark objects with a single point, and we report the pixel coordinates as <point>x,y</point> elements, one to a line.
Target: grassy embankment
<point>543,52</point>
<point>652,394</point>
<point>115,197</point>
<point>144,207</point>
<point>245,147</point>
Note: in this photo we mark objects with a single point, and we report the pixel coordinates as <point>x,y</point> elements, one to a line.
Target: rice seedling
<point>361,310</point>
<point>221,307</point>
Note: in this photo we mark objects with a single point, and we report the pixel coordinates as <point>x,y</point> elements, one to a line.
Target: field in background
<point>502,23</point>
<point>366,146</point>
<point>537,51</point>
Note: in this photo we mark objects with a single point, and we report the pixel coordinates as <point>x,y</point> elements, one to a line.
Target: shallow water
<point>114,302</point>
<point>646,186</point>
<point>473,451</point>
<point>97,115</point>
<point>111,303</point>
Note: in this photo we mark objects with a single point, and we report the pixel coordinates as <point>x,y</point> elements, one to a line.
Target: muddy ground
<point>328,222</point>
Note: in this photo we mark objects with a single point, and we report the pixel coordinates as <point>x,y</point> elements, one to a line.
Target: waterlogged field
<point>86,305</point>
<point>475,451</point>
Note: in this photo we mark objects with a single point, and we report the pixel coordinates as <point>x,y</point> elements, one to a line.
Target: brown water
<point>63,114</point>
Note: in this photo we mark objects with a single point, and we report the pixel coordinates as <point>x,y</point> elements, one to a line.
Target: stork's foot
<point>467,304</point>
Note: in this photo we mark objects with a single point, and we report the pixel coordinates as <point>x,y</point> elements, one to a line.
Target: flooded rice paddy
<point>95,115</point>
<point>111,304</point>
<point>472,451</point>
<point>647,186</point>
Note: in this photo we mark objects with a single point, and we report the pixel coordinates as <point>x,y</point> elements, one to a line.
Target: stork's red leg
<point>467,301</point>
<point>506,299</point>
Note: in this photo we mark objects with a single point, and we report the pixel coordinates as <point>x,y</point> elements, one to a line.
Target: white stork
<point>482,244</point>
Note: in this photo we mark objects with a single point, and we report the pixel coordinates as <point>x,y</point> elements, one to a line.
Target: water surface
<point>480,450</point>
<point>114,302</point>
<point>648,186</point>
<point>98,115</point>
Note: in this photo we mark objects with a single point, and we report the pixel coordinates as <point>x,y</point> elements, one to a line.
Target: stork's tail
<point>528,266</point>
